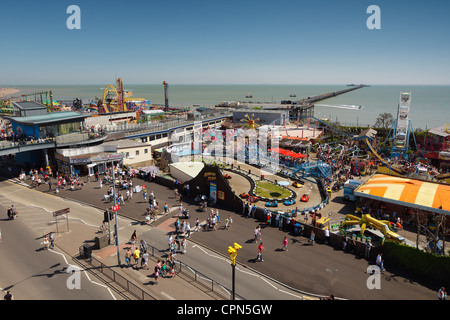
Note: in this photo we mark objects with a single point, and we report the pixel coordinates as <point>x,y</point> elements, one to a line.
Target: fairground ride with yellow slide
<point>367,221</point>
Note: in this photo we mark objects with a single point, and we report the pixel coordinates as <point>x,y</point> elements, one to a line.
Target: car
<point>272,204</point>
<point>253,199</point>
<point>227,176</point>
<point>297,184</point>
<point>289,202</point>
<point>305,198</point>
<point>244,195</point>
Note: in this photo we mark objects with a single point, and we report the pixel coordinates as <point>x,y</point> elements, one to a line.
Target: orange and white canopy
<point>425,195</point>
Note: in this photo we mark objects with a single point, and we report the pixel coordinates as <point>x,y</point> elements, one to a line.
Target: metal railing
<point>185,270</point>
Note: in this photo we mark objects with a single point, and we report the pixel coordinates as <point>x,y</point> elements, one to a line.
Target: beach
<point>4,92</point>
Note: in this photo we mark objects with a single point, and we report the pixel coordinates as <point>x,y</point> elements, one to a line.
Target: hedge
<point>417,262</point>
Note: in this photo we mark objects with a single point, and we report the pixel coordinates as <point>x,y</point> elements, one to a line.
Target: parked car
<point>305,198</point>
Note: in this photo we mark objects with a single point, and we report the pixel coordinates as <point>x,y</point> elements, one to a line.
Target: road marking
<point>89,279</point>
<point>167,296</point>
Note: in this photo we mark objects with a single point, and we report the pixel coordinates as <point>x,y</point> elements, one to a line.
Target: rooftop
<point>424,195</point>
<point>29,105</point>
<point>49,117</point>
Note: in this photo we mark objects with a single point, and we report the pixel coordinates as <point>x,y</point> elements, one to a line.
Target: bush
<point>417,262</point>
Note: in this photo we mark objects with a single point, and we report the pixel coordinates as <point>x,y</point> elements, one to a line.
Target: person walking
<point>144,262</point>
<point>52,240</point>
<point>184,244</point>
<point>197,225</point>
<point>311,237</point>
<point>260,251</point>
<point>285,243</point>
<point>442,295</point>
<point>128,255</point>
<point>136,255</point>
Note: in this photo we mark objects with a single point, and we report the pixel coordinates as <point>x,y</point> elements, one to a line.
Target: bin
<point>101,242</point>
<point>87,251</point>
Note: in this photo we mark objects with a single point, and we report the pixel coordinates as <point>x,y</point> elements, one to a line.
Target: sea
<point>430,105</point>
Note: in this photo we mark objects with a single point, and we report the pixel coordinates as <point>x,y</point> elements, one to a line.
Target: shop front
<point>87,164</point>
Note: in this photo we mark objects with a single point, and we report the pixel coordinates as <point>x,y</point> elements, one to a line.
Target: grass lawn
<point>266,189</point>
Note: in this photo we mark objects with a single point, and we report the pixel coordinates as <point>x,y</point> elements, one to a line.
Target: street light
<point>116,226</point>
<point>232,251</point>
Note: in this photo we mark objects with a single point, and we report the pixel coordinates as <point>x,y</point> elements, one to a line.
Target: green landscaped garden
<point>265,189</point>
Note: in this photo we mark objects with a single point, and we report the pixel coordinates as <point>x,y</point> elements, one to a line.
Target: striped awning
<point>425,195</point>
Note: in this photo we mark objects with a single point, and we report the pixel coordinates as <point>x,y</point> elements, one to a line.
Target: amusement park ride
<point>401,128</point>
<point>116,99</point>
<point>44,97</point>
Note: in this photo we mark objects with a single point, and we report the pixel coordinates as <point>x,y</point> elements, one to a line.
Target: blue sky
<point>225,42</point>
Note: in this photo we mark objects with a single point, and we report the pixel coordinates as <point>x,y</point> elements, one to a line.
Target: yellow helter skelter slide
<point>366,221</point>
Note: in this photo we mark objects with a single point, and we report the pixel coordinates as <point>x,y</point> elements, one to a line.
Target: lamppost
<point>232,251</point>
<point>116,226</point>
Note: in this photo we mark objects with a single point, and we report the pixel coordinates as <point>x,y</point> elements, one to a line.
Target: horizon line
<point>230,84</point>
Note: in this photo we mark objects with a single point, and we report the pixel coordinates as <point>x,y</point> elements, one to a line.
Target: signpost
<point>58,213</point>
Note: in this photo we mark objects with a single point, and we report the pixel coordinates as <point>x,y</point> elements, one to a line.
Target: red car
<point>305,198</point>
<point>244,195</point>
<point>227,176</point>
<point>253,199</point>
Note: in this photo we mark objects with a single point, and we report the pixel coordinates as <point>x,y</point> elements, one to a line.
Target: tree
<point>384,120</point>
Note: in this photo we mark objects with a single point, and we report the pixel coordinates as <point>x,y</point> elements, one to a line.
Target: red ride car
<point>305,198</point>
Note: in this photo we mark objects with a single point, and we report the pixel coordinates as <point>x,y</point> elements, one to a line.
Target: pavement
<point>308,269</point>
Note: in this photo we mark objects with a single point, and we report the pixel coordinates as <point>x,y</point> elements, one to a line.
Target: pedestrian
<point>163,269</point>
<point>136,255</point>
<point>156,274</point>
<point>442,295</point>
<point>100,183</point>
<point>368,247</point>
<point>128,255</point>
<point>260,251</point>
<point>327,236</point>
<point>52,240</point>
<point>184,244</point>
<point>255,233</point>
<point>133,238</point>
<point>188,229</point>
<point>143,246</point>
<point>197,225</point>
<point>46,242</point>
<point>166,208</point>
<point>311,237</point>
<point>173,248</point>
<point>285,243</point>
<point>8,296</point>
<point>144,260</point>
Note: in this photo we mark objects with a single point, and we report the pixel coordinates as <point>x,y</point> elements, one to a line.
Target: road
<point>32,273</point>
